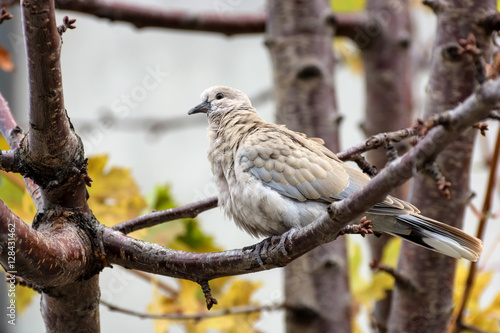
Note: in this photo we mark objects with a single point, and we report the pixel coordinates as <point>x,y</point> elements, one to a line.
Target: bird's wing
<point>303,169</point>
<point>294,166</point>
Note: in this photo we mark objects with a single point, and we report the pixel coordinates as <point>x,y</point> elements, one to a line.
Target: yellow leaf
<point>238,294</point>
<point>191,300</point>
<point>14,193</point>
<point>390,254</point>
<point>349,53</point>
<point>24,296</point>
<point>486,319</point>
<point>114,195</point>
<point>347,5</point>
<point>6,63</point>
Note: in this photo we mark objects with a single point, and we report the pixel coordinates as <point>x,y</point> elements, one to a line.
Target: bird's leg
<point>258,249</point>
<point>263,247</point>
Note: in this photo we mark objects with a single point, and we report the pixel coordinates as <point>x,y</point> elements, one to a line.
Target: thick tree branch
<point>142,16</point>
<point>132,253</point>
<point>40,259</point>
<point>52,154</point>
<point>149,220</point>
<point>49,124</point>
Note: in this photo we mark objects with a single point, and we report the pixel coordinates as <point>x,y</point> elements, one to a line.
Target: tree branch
<point>237,310</point>
<point>376,141</point>
<point>13,134</point>
<point>52,154</point>
<point>149,220</point>
<point>141,16</point>
<point>132,253</point>
<point>39,258</point>
<point>349,25</point>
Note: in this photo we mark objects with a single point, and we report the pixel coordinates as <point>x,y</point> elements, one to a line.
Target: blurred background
<point>127,92</point>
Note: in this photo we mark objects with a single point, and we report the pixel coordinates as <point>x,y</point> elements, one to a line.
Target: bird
<point>272,180</point>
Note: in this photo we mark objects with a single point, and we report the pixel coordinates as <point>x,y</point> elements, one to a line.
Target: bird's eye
<point>219,96</point>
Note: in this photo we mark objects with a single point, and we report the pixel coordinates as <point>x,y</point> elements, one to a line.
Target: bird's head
<point>219,100</point>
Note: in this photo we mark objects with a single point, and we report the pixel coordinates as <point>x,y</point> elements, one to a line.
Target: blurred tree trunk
<point>385,50</point>
<point>300,42</point>
<point>428,309</point>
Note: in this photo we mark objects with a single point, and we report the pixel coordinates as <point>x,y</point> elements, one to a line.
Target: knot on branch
<point>363,228</point>
<point>482,127</point>
<point>445,119</point>
<point>67,24</point>
<point>4,15</point>
<point>82,230</point>
<point>55,172</point>
<point>308,71</point>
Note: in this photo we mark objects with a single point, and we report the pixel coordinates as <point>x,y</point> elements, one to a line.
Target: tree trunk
<point>428,309</point>
<point>300,42</point>
<point>387,67</point>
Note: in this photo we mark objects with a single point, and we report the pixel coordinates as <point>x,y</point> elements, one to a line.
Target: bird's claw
<point>263,247</point>
<point>283,238</point>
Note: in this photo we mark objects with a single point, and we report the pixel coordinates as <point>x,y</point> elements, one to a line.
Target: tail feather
<point>435,236</point>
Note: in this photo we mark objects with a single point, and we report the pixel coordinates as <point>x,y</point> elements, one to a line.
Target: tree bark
<point>300,43</point>
<point>451,81</point>
<point>385,40</point>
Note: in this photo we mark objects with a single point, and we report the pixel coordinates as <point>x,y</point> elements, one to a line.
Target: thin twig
<point>485,214</point>
<point>363,228</point>
<point>67,24</point>
<point>432,169</point>
<point>207,292</point>
<point>377,141</point>
<point>364,165</point>
<point>238,310</point>
<point>4,15</point>
<point>403,282</point>
<point>149,220</point>
<point>165,287</point>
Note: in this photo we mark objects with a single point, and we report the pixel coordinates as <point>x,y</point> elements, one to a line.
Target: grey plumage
<point>271,179</point>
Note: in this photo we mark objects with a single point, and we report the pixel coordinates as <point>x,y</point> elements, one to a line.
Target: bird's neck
<point>233,127</point>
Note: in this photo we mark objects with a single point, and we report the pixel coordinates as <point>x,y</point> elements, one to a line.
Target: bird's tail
<point>433,235</point>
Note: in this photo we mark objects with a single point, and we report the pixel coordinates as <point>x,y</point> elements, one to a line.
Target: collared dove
<point>271,179</point>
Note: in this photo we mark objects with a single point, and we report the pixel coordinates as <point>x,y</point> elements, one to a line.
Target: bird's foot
<point>282,240</point>
<point>259,248</point>
<point>263,247</point>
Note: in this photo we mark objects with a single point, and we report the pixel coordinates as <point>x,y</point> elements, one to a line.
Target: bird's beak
<point>200,108</point>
